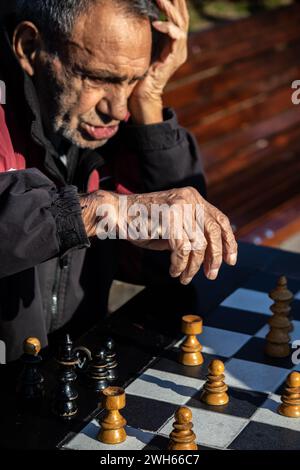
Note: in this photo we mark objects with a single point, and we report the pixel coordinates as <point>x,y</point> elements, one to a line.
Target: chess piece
<point>111,361</point>
<point>290,405</point>
<point>190,350</point>
<point>278,339</point>
<point>283,295</point>
<point>182,437</point>
<point>31,382</point>
<point>289,297</point>
<point>97,373</point>
<point>65,404</point>
<point>215,390</point>
<point>113,424</point>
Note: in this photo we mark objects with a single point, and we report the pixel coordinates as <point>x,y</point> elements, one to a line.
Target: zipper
<point>62,267</point>
<point>55,290</point>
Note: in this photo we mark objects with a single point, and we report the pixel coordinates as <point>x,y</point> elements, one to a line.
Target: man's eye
<point>89,80</point>
<point>94,80</point>
<point>133,81</point>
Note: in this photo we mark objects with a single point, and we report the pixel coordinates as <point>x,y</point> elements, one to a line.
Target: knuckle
<point>204,244</point>
<point>223,220</point>
<point>232,243</point>
<point>179,192</point>
<point>192,189</point>
<point>183,247</point>
<point>199,255</point>
<point>216,261</point>
<point>214,229</point>
<point>199,246</point>
<point>189,192</point>
<point>183,191</point>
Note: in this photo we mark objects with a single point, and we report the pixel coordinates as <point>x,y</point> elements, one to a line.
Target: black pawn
<point>65,398</point>
<point>31,382</point>
<point>97,373</point>
<point>111,361</point>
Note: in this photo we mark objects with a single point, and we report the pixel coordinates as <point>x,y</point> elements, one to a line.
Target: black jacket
<point>49,270</point>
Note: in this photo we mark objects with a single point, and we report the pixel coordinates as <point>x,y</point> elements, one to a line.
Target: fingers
<point>186,260</point>
<point>230,246</point>
<point>173,14</point>
<point>169,28</point>
<point>195,262</point>
<point>185,12</point>
<point>214,251</point>
<point>181,250</point>
<point>182,7</point>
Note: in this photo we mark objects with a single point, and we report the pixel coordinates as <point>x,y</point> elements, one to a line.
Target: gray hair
<point>56,18</point>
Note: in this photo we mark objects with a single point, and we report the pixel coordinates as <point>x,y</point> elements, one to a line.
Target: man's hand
<point>145,103</point>
<point>215,244</point>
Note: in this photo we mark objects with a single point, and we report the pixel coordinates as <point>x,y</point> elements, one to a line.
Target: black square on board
<point>242,403</point>
<point>261,436</point>
<point>169,363</point>
<point>253,351</point>
<point>146,413</point>
<point>240,321</point>
<point>265,282</point>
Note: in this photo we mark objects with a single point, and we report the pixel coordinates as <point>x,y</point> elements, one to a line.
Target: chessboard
<point>234,332</point>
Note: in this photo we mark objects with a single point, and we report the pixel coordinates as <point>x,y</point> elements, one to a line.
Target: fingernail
<point>213,274</point>
<point>233,259</point>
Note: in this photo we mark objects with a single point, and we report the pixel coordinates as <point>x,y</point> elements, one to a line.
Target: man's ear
<point>26,43</point>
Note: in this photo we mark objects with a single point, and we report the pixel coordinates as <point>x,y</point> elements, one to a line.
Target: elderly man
<point>84,124</point>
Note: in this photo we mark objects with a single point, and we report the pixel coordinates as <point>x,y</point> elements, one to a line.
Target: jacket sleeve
<point>37,220</point>
<point>168,155</point>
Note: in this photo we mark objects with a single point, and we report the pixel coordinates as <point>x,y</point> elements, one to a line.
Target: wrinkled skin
<point>217,242</point>
<point>89,81</point>
<point>103,72</point>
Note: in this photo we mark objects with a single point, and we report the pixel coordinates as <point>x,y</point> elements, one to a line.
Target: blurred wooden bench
<point>234,94</point>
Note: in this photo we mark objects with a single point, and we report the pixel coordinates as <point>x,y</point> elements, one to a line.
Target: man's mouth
<point>99,133</point>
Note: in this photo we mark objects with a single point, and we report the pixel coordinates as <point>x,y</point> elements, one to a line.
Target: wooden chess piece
<point>182,437</point>
<point>65,398</point>
<point>278,339</point>
<point>287,297</point>
<point>283,295</point>
<point>111,361</point>
<point>215,390</point>
<point>290,405</point>
<point>31,382</point>
<point>113,424</point>
<point>190,350</point>
<point>97,373</point>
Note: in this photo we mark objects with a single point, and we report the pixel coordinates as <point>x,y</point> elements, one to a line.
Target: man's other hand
<point>145,103</point>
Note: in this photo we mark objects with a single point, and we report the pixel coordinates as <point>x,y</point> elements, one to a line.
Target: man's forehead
<point>106,30</point>
<point>104,64</point>
<point>111,42</point>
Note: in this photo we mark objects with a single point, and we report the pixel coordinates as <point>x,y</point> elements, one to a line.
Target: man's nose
<point>115,105</point>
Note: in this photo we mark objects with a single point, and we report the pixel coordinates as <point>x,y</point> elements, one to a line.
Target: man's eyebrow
<point>102,74</point>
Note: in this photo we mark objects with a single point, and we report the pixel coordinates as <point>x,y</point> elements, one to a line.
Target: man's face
<point>84,89</point>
